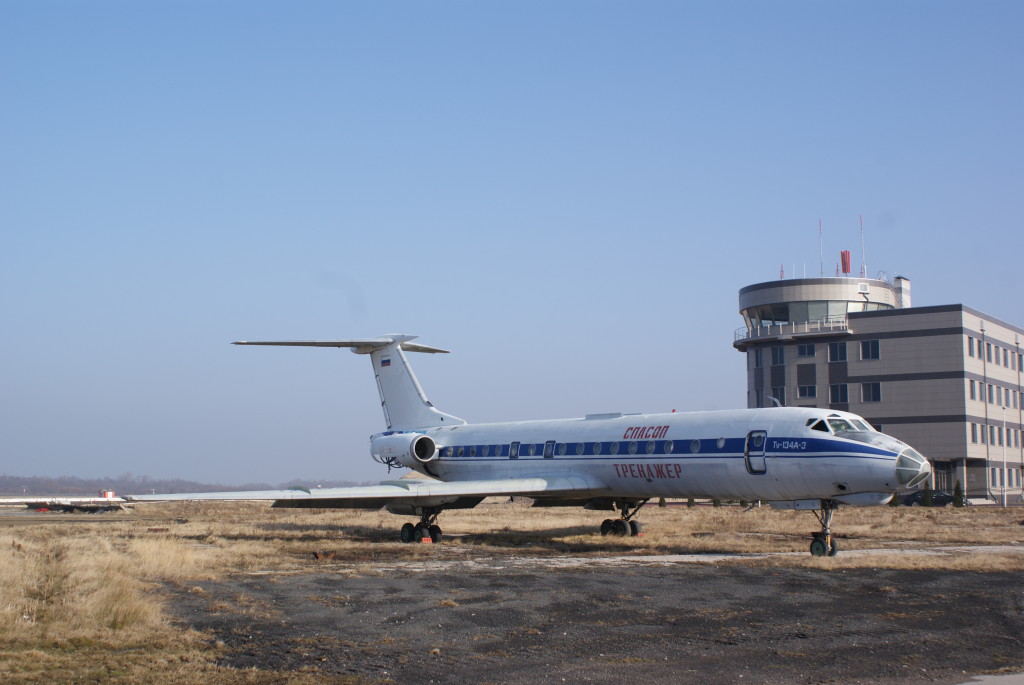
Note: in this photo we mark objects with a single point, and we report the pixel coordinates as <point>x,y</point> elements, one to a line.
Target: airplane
<point>789,457</point>
<point>69,504</point>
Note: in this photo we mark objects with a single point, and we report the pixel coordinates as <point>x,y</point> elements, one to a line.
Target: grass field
<point>81,596</point>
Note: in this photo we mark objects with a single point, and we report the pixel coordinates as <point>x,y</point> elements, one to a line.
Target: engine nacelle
<point>408,449</point>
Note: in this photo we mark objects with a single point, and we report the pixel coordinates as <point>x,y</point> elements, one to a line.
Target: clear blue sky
<point>567,195</point>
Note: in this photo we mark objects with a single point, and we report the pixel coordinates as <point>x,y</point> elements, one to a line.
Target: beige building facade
<point>945,379</point>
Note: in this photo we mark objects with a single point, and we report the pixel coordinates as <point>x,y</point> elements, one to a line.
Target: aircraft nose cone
<point>912,468</point>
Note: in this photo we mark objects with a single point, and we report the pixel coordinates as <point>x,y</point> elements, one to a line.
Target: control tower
<point>806,307</point>
<point>797,313</point>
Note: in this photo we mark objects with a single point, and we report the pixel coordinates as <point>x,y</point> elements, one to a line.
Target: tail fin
<point>405,405</point>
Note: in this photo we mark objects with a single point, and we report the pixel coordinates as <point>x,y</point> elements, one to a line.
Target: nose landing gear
<point>822,544</point>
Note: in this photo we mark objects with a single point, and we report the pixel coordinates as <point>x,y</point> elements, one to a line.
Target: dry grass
<point>80,596</point>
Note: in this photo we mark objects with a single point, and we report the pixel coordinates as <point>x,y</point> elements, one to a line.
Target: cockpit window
<point>860,424</point>
<point>841,425</point>
<point>819,425</point>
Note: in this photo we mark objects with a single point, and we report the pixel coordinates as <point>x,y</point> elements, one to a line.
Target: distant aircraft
<point>793,458</point>
<point>106,501</point>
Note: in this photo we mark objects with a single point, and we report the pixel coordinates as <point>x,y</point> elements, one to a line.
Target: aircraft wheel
<point>435,534</point>
<point>607,526</point>
<point>818,547</point>
<point>408,532</point>
<point>636,529</point>
<point>833,549</point>
<point>422,533</point>
<point>621,527</point>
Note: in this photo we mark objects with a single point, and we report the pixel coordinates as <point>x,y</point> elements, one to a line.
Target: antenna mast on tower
<point>821,252</point>
<point>863,258</point>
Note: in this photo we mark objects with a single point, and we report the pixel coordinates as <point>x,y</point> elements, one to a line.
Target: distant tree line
<point>130,484</point>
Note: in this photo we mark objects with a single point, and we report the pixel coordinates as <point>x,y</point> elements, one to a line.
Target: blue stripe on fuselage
<point>731,448</point>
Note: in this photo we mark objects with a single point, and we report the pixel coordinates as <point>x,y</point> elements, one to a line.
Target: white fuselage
<point>765,454</point>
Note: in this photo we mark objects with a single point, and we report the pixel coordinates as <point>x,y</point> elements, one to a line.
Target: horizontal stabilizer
<point>358,345</point>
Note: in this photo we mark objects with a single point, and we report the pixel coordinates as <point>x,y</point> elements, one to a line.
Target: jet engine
<point>405,449</point>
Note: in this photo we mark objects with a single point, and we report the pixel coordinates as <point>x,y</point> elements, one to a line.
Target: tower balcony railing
<point>832,324</point>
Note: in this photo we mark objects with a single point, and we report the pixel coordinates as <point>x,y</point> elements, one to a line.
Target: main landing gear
<point>426,531</point>
<point>624,526</point>
<point>823,544</point>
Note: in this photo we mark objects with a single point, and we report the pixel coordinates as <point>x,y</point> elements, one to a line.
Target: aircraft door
<point>754,451</point>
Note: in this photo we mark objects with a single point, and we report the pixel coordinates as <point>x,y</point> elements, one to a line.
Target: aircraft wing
<point>412,492</point>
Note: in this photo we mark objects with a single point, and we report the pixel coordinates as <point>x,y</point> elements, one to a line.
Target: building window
<point>970,346</point>
<point>983,434</point>
<point>1006,358</point>
<point>995,477</point>
<point>807,392</point>
<point>758,358</point>
<point>974,432</point>
<point>869,349</point>
<point>837,352</point>
<point>992,435</point>
<point>759,398</point>
<point>991,394</point>
<point>838,394</point>
<point>779,393</point>
<point>870,392</point>
<point>805,350</point>
<point>974,393</point>
<point>988,351</point>
<point>778,355</point>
